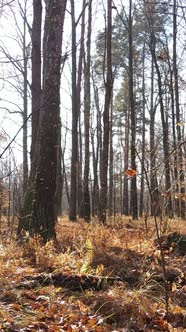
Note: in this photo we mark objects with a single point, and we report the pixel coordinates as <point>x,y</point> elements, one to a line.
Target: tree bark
<point>79,82</point>
<point>134,199</point>
<point>141,208</point>
<point>111,166</point>
<point>164,127</point>
<point>25,109</point>
<point>96,151</point>
<point>155,204</point>
<point>74,157</point>
<point>39,211</point>
<point>177,106</point>
<point>126,163</point>
<point>36,71</point>
<point>106,129</point>
<point>87,103</point>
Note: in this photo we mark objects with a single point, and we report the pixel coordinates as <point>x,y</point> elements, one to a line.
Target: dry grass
<point>123,249</point>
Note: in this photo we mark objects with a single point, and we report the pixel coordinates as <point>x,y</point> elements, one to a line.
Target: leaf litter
<point>134,301</point>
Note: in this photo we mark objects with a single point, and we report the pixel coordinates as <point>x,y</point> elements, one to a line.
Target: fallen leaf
<point>16,306</point>
<point>92,322</point>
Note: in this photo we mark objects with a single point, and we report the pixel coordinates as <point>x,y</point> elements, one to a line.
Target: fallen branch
<point>85,282</point>
<point>72,282</point>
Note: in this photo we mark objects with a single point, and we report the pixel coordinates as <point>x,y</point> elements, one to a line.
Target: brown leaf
<point>16,306</point>
<point>92,322</point>
<point>130,172</point>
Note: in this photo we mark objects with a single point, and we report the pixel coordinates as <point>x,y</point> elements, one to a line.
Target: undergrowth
<point>122,250</point>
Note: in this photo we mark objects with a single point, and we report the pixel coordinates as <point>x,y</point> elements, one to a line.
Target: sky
<point>9,98</point>
<point>10,41</point>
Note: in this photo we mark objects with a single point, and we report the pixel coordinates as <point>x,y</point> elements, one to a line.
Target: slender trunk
<point>155,204</point>
<point>108,97</point>
<point>25,110</point>
<point>134,199</point>
<point>65,179</point>
<point>111,183</point>
<point>80,171</point>
<point>175,170</point>
<point>74,157</point>
<point>176,87</point>
<point>87,103</point>
<point>96,152</point>
<point>143,139</point>
<point>79,80</point>
<point>126,164</point>
<point>95,190</point>
<point>165,130</point>
<point>36,71</point>
<point>9,192</point>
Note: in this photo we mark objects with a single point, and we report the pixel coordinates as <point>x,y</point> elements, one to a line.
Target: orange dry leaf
<point>161,323</point>
<point>130,172</point>
<point>69,328</point>
<point>16,306</point>
<point>74,317</point>
<point>92,322</point>
<point>101,329</point>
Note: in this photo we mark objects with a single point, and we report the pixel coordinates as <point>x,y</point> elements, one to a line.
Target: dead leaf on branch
<point>130,172</point>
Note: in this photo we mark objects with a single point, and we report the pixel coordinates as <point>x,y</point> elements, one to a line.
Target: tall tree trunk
<point>64,177</point>
<point>39,211</point>
<point>95,189</point>
<point>108,98</point>
<point>36,71</point>
<point>58,194</point>
<point>111,160</point>
<point>25,115</point>
<point>176,87</point>
<point>141,209</point>
<point>97,151</point>
<point>25,106</point>
<point>164,127</point>
<point>126,164</point>
<point>155,204</point>
<point>74,157</point>
<point>79,80</point>
<point>80,171</point>
<point>87,102</point>
<point>134,199</point>
<point>175,170</point>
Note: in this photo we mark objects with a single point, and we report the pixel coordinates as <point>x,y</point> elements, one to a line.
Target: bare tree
<point>39,213</point>
<point>106,120</point>
<point>36,71</point>
<point>180,179</point>
<point>74,157</point>
<point>20,68</point>
<point>134,200</point>
<point>87,104</point>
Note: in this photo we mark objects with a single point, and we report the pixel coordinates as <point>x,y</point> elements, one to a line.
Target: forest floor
<point>98,278</point>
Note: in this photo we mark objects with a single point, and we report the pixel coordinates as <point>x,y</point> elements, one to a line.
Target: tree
<point>36,71</point>
<point>87,104</point>
<point>177,106</point>
<point>79,86</point>
<point>134,200</point>
<point>20,69</point>
<point>75,115</point>
<point>141,208</point>
<point>106,121</point>
<point>39,211</point>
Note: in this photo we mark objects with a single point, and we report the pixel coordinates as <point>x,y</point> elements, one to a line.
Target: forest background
<point>117,144</point>
<point>96,95</point>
